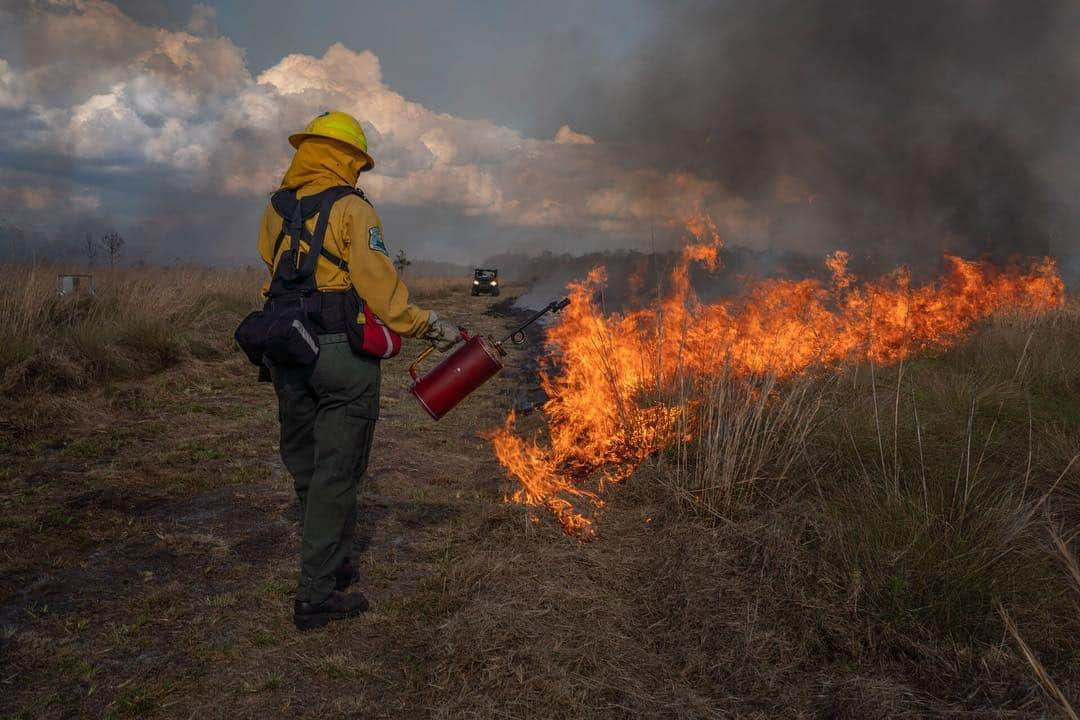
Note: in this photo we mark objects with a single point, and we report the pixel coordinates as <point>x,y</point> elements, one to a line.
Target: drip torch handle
<point>412,368</point>
<point>430,349</point>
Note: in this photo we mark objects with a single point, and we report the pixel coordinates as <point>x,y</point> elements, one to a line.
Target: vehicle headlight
<point>494,282</point>
<point>475,282</point>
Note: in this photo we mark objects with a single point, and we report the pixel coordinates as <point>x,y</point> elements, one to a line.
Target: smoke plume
<point>897,130</point>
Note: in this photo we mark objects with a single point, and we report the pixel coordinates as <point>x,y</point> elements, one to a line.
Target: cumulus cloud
<point>104,126</point>
<point>566,136</point>
<point>11,95</point>
<point>96,86</point>
<point>203,20</point>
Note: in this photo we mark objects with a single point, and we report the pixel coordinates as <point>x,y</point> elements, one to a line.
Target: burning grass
<point>627,385</point>
<point>891,457</point>
<point>844,542</point>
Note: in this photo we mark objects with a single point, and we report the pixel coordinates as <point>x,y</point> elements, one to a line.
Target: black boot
<point>345,575</point>
<point>309,615</point>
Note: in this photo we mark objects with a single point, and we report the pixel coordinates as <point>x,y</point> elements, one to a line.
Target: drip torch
<point>468,367</point>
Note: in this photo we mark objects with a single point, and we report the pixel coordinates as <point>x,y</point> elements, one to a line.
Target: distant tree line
<point>30,244</point>
<point>111,245</point>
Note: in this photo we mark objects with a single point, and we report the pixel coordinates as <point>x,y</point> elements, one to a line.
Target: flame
<point>613,378</point>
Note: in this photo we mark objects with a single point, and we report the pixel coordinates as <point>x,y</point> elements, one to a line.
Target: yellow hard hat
<point>337,126</point>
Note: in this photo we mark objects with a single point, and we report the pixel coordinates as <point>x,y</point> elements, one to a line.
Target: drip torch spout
<point>517,337</point>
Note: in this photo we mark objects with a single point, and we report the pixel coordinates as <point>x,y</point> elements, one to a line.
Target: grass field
<point>843,545</point>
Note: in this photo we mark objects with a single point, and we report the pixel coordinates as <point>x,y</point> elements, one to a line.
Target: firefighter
<point>328,409</point>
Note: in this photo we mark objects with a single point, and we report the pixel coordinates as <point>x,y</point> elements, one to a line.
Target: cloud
<point>104,126</point>
<point>203,20</point>
<point>97,86</point>
<point>566,136</point>
<point>39,198</point>
<point>11,95</point>
<point>70,49</point>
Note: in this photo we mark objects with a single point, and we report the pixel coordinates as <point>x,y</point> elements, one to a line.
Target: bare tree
<point>113,245</point>
<point>401,261</point>
<point>90,248</point>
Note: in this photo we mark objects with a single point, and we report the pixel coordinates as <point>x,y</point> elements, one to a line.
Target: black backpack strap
<point>277,243</point>
<point>286,206</point>
<point>311,259</point>
<point>332,196</point>
<point>295,213</point>
<point>334,259</point>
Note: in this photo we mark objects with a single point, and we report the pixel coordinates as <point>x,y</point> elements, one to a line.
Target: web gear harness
<point>286,330</point>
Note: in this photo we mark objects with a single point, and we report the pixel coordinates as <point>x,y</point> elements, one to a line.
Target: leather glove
<point>443,334</point>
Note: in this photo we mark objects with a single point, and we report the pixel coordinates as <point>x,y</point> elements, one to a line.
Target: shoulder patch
<point>375,241</point>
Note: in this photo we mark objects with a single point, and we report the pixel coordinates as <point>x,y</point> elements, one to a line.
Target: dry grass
<point>429,287</point>
<point>1045,681</point>
<point>1066,556</point>
<point>854,541</point>
<point>741,439</point>
<point>1058,698</point>
<point>148,545</point>
<point>137,322</point>
<point>925,492</point>
<point>851,543</point>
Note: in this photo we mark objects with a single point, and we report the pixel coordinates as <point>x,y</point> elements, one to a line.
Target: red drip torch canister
<point>464,370</point>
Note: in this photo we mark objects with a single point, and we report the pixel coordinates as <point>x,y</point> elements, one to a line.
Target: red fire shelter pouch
<point>372,336</point>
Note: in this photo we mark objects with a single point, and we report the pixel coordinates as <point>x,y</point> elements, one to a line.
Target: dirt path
<point>150,538</point>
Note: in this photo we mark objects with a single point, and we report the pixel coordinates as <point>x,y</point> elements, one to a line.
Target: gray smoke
<point>898,130</point>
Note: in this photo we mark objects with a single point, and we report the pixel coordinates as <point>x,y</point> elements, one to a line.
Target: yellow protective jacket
<point>353,233</point>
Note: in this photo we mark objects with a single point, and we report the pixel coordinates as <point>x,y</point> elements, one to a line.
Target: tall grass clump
<point>740,438</point>
<point>924,495</point>
<point>928,531</point>
<point>136,322</point>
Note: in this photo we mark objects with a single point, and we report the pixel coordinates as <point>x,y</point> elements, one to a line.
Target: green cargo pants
<point>327,412</point>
